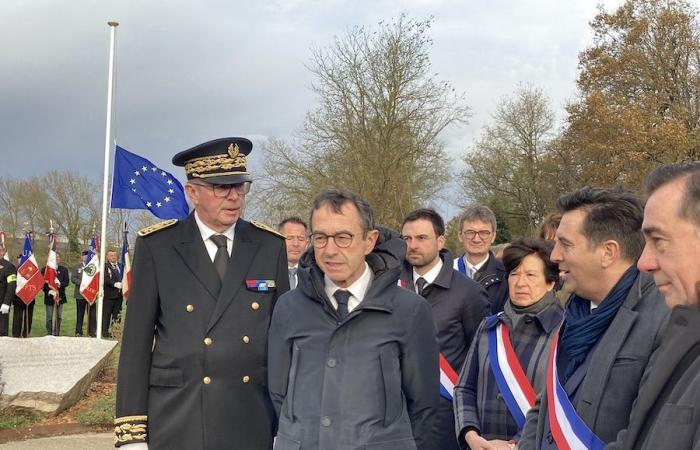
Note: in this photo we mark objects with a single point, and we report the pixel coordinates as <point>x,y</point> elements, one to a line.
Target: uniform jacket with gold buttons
<point>192,371</point>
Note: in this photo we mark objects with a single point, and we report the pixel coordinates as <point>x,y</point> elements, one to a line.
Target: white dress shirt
<point>207,232</point>
<point>429,276</point>
<point>357,290</point>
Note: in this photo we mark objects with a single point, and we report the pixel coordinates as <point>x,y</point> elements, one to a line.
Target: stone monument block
<point>49,374</point>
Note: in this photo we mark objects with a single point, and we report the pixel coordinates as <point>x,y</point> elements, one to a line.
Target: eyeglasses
<point>224,190</point>
<point>483,234</point>
<point>342,239</point>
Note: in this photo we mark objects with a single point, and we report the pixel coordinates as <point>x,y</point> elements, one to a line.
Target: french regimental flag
<point>51,272</point>
<point>29,278</point>
<point>90,282</point>
<point>126,268</point>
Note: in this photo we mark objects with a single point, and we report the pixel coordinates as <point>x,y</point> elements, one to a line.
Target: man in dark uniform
<point>458,305</point>
<point>112,303</point>
<point>8,284</point>
<point>192,371</point>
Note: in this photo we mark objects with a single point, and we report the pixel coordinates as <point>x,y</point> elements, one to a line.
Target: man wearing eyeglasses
<point>192,371</point>
<point>477,232</point>
<point>294,231</point>
<point>352,356</point>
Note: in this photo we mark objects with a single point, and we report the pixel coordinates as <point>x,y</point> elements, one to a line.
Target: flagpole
<point>105,181</point>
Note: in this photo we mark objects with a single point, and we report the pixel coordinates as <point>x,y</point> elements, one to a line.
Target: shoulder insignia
<point>267,228</point>
<point>156,227</point>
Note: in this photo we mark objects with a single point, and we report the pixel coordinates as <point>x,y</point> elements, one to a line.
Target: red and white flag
<point>51,271</point>
<point>29,278</point>
<point>126,268</point>
<point>90,282</point>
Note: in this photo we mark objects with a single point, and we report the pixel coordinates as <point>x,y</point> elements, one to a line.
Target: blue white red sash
<point>460,266</point>
<point>570,432</point>
<point>448,378</point>
<point>518,393</point>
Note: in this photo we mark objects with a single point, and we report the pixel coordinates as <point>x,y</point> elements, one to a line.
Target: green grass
<point>100,413</point>
<point>67,322</point>
<point>15,420</point>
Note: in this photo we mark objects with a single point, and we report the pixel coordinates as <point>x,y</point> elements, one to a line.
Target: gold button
<point>207,341</point>
<point>189,308</point>
<point>246,379</point>
<point>246,339</point>
<point>255,305</point>
<point>206,380</point>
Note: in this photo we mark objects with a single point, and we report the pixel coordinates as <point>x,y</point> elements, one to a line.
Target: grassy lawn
<point>68,319</point>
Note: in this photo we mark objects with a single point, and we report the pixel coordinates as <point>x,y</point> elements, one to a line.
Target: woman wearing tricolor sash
<point>507,361</point>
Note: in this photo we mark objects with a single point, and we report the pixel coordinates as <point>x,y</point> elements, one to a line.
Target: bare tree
<point>376,128</point>
<point>511,165</point>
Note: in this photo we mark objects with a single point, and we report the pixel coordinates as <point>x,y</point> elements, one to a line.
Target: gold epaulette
<point>156,227</point>
<point>267,228</point>
<point>130,430</point>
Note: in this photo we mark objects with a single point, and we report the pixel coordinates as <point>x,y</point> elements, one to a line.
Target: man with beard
<point>458,305</point>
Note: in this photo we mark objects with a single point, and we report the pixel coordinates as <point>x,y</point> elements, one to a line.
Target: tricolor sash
<point>448,378</point>
<point>570,432</point>
<point>460,266</point>
<point>518,393</point>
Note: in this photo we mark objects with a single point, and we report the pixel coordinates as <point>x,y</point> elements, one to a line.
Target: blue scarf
<point>584,328</point>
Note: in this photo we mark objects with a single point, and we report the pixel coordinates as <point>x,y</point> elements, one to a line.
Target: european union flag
<point>139,184</point>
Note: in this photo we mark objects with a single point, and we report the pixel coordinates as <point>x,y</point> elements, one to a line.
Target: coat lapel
<point>244,250</point>
<point>194,255</point>
<point>604,356</point>
<point>666,358</point>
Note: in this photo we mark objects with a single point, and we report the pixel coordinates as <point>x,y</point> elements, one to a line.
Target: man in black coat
<point>55,299</point>
<point>458,305</point>
<point>666,412</point>
<point>353,357</point>
<point>112,306</point>
<point>8,285</point>
<point>192,370</point>
<point>477,232</point>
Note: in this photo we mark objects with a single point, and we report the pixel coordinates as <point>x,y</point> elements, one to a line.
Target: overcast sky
<point>190,71</point>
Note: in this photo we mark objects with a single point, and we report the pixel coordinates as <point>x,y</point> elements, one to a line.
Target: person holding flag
<point>56,280</point>
<point>29,282</point>
<point>8,281</point>
<point>83,306</point>
<point>126,267</point>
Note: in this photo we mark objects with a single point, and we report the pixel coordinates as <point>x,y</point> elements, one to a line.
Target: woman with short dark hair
<point>506,363</point>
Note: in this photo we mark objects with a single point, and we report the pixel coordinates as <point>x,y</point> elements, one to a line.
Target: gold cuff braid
<point>130,429</point>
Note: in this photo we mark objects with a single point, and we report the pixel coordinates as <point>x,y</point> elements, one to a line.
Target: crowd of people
<point>337,333</point>
<point>55,299</point>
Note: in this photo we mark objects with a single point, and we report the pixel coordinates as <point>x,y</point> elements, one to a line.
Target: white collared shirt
<point>207,232</point>
<point>429,276</point>
<point>357,290</point>
<point>474,268</point>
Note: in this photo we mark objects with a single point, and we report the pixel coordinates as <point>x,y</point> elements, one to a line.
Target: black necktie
<point>221,257</point>
<point>420,284</point>
<point>342,298</point>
